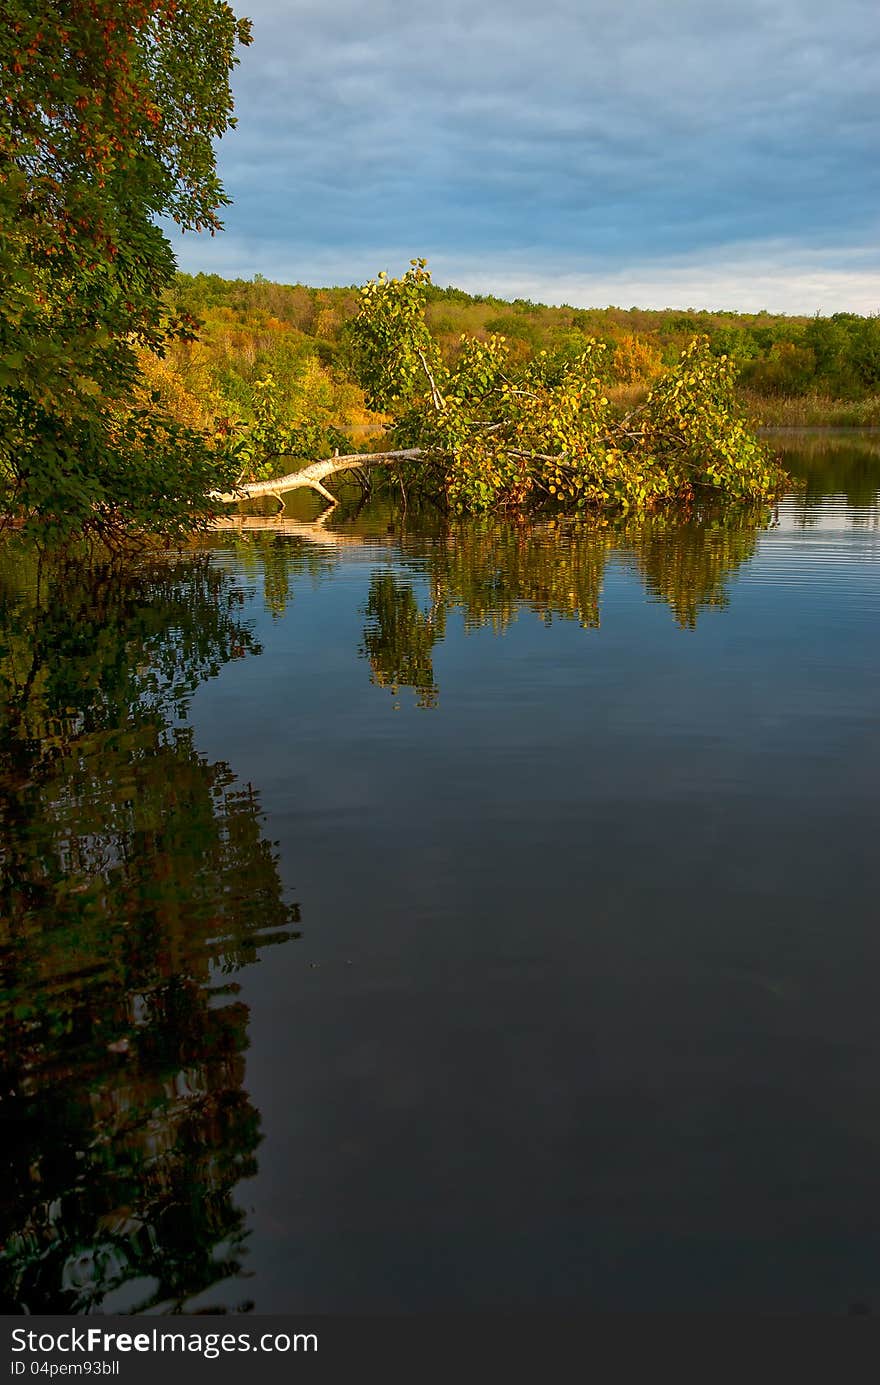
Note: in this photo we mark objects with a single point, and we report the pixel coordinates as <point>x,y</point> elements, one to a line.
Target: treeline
<point>252,332</point>
<point>791,369</point>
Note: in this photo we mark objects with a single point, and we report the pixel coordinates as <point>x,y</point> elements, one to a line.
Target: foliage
<point>395,353</point>
<point>259,379</point>
<point>303,336</point>
<point>259,448</point>
<point>635,360</point>
<point>108,123</point>
<point>503,435</point>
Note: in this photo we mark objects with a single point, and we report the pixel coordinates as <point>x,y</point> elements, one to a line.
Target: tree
<point>107,122</point>
<point>491,431</point>
<point>502,435</point>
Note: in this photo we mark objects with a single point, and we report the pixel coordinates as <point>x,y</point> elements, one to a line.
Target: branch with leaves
<point>497,435</point>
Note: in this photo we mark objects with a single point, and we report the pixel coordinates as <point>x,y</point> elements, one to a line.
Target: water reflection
<point>135,880</point>
<point>829,463</point>
<point>688,565</point>
<point>399,637</point>
<point>491,571</point>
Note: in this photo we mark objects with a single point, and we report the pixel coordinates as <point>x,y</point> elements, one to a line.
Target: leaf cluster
<point>256,449</point>
<point>503,434</point>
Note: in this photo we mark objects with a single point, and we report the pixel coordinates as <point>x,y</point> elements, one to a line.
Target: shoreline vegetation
<point>269,352</point>
<point>811,411</point>
<point>793,371</point>
<point>285,380</point>
<point>132,396</point>
<point>481,430</point>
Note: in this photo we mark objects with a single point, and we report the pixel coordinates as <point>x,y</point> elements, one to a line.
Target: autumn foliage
<point>107,122</point>
<point>503,434</point>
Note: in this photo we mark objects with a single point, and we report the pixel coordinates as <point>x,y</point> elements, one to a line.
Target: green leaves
<point>503,437</point>
<point>265,448</point>
<point>107,123</point>
<point>396,358</point>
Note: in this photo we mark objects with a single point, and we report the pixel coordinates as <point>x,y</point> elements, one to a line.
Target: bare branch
<point>535,456</point>
<point>315,474</point>
<point>437,397</point>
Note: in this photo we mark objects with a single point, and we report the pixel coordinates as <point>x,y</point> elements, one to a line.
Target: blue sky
<point>652,152</point>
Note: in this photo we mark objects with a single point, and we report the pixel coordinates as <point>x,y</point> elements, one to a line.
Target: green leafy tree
<point>502,435</point>
<point>107,122</point>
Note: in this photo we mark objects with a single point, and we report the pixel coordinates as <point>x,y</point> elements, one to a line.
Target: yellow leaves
<point>84,385</point>
<point>508,427</point>
<point>183,386</point>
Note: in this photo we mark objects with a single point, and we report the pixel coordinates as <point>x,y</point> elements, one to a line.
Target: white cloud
<point>586,147</point>
<point>776,276</point>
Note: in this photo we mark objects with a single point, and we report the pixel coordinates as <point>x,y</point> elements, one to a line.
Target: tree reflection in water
<point>135,880</point>
<point>492,570</point>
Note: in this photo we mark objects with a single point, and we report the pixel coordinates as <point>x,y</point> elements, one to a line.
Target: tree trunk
<point>313,475</point>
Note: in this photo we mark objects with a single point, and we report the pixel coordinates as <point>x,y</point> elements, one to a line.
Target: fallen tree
<point>497,435</point>
<point>314,475</point>
<point>487,434</point>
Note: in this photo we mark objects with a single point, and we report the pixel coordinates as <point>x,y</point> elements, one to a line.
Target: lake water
<point>398,917</point>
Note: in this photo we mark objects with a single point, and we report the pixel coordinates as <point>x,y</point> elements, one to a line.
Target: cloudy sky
<point>706,153</point>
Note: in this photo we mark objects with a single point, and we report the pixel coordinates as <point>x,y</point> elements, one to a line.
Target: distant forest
<point>793,370</point>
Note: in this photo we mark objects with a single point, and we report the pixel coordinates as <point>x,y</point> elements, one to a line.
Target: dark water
<point>396,919</point>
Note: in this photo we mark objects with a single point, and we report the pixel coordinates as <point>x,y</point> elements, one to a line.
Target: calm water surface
<point>399,919</point>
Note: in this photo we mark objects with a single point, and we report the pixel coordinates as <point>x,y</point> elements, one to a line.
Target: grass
<point>811,411</point>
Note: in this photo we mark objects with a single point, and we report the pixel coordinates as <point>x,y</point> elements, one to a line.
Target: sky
<point>659,153</point>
